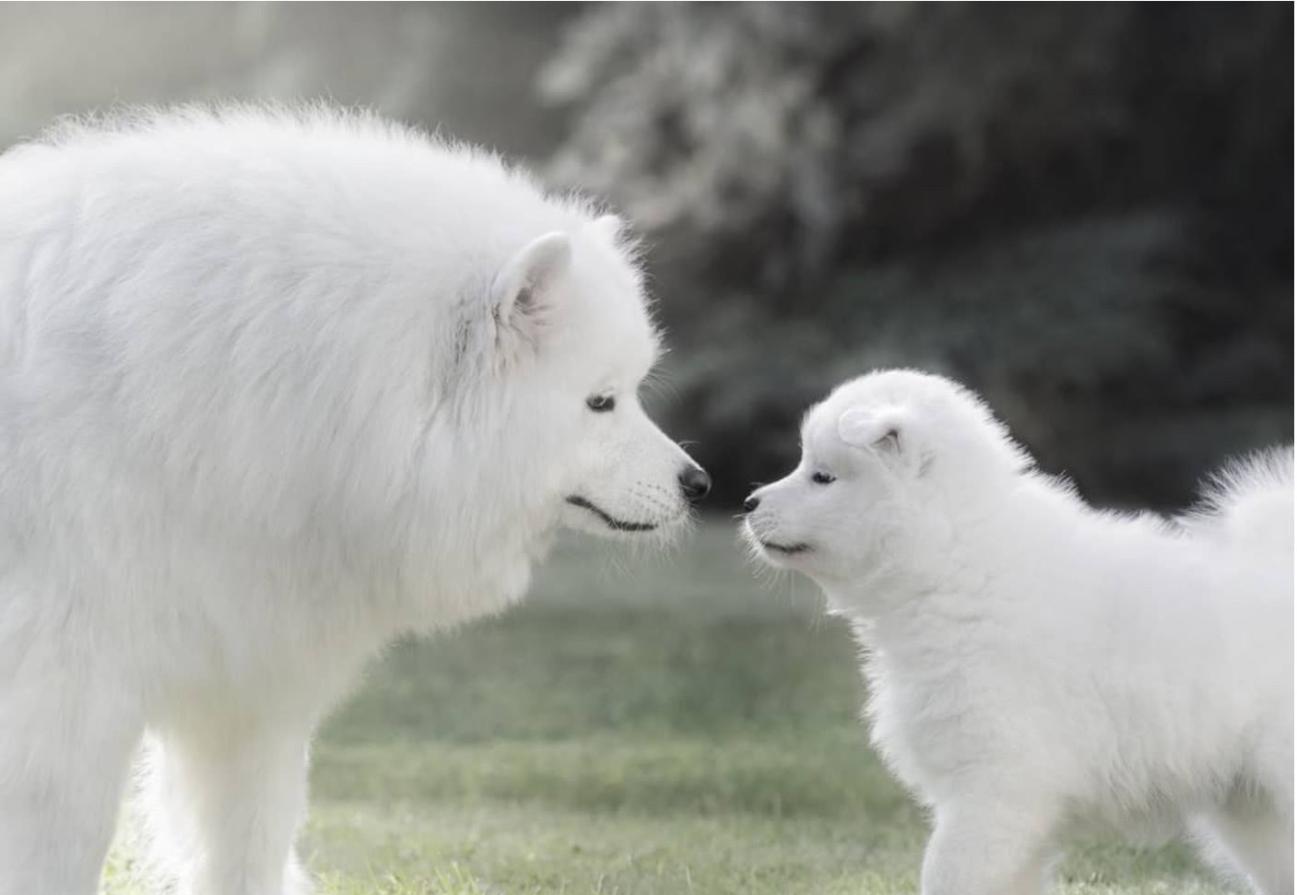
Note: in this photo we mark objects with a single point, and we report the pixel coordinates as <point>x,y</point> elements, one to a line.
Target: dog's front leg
<point>983,848</point>
<point>228,799</point>
<point>66,741</point>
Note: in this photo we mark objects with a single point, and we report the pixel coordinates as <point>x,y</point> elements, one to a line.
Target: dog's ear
<point>523,288</point>
<point>608,227</point>
<point>882,430</point>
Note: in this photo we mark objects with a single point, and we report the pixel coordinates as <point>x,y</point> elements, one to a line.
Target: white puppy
<point>1035,664</point>
<point>275,388</point>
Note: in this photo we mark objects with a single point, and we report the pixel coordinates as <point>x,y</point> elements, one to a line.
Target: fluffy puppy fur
<point>1036,664</point>
<point>276,387</point>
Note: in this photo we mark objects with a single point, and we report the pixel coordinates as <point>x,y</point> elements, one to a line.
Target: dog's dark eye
<point>823,478</point>
<point>601,403</point>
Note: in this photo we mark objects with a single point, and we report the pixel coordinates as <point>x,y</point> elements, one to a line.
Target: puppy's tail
<point>1249,505</point>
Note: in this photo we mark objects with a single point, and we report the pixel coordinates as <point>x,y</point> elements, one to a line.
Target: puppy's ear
<point>608,227</point>
<point>523,288</point>
<point>881,430</point>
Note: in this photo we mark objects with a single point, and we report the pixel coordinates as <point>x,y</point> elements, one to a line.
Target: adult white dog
<point>1036,664</point>
<point>274,388</point>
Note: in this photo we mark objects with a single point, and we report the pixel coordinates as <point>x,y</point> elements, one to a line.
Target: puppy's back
<point>1249,506</point>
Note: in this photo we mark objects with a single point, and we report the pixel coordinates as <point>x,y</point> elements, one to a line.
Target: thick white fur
<point>274,388</point>
<point>1035,664</point>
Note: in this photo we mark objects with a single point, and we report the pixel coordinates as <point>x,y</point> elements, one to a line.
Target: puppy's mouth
<point>785,549</point>
<point>608,519</point>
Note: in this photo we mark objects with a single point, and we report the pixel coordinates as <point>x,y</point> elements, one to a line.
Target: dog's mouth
<point>785,549</point>
<point>608,519</point>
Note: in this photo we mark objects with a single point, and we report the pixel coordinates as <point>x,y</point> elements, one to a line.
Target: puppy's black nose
<point>695,483</point>
<point>751,503</point>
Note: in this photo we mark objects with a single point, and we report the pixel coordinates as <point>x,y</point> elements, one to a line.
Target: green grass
<point>656,726</point>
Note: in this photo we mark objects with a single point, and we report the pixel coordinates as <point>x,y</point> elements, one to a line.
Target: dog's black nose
<point>751,503</point>
<point>695,483</point>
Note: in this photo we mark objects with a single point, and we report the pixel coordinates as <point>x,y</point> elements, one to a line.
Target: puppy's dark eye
<point>823,478</point>
<point>601,403</point>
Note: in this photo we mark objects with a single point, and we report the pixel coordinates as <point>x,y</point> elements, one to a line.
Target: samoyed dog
<point>1035,664</point>
<point>276,387</point>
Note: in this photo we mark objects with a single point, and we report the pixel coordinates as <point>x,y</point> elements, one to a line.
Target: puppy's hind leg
<point>986,849</point>
<point>65,750</point>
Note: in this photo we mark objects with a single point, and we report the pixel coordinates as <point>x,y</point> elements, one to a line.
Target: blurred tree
<point>1083,210</point>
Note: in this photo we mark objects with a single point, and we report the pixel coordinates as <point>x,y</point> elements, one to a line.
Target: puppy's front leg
<point>981,848</point>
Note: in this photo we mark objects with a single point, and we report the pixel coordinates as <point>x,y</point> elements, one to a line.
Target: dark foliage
<point>1084,210</point>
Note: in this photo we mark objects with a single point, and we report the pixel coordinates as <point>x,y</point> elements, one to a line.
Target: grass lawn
<point>640,726</point>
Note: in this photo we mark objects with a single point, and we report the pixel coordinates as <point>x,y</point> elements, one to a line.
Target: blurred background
<point>1083,211</point>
